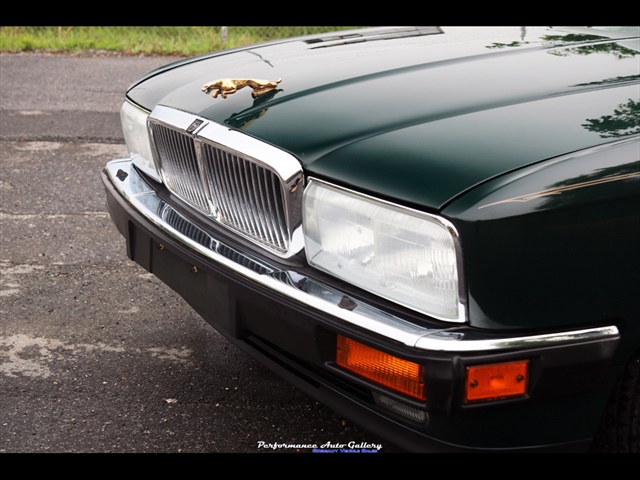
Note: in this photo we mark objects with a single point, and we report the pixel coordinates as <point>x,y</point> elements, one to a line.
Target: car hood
<point>419,114</point>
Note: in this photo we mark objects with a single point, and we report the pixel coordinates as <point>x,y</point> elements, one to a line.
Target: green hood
<point>419,115</point>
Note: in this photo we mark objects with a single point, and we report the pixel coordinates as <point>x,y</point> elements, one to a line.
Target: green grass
<point>181,41</point>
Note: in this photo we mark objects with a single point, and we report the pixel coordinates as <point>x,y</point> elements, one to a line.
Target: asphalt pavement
<point>96,355</point>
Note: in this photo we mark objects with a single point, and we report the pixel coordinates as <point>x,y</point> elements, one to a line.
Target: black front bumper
<point>289,323</point>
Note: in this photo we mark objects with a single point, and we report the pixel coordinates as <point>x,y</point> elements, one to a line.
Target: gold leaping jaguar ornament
<point>227,86</point>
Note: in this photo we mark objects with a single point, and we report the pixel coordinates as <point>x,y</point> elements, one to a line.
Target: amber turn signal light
<point>396,373</point>
<point>496,381</point>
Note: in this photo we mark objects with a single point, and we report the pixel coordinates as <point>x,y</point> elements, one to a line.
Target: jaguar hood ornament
<point>227,86</point>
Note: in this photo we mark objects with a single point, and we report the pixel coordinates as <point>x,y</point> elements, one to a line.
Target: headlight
<point>401,254</point>
<point>136,136</point>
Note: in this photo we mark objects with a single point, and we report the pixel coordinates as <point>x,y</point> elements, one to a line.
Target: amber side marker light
<point>496,381</point>
<point>393,372</point>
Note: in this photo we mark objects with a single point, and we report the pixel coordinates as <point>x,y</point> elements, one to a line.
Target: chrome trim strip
<point>135,190</point>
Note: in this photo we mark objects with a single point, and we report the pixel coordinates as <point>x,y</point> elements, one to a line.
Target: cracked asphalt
<point>96,355</point>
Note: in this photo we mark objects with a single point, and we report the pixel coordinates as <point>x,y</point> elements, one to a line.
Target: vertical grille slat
<point>252,208</point>
<point>267,221</point>
<point>245,195</point>
<point>238,192</point>
<point>233,211</point>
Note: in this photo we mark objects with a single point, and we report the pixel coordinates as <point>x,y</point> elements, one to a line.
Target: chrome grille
<point>248,196</point>
<point>246,185</point>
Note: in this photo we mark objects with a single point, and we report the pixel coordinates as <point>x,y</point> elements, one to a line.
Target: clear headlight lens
<point>400,254</point>
<point>136,136</point>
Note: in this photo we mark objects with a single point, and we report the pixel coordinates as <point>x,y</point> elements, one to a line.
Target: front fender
<point>555,244</point>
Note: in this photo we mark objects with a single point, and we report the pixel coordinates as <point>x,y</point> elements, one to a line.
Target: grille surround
<point>251,188</point>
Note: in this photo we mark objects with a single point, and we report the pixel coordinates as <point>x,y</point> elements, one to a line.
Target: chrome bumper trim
<point>321,297</point>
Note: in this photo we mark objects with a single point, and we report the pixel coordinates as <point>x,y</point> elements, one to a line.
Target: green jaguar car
<point>433,231</point>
